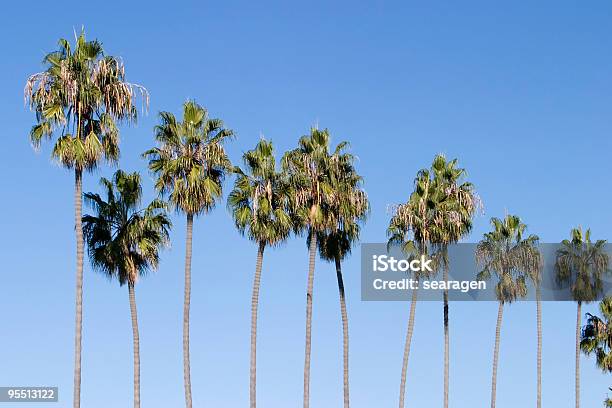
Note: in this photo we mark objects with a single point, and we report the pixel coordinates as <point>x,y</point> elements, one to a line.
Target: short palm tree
<point>456,205</point>
<point>581,263</point>
<point>258,204</point>
<point>123,241</point>
<point>309,169</point>
<point>504,252</point>
<point>190,163</point>
<point>335,244</point>
<point>79,98</point>
<point>596,338</point>
<point>412,228</point>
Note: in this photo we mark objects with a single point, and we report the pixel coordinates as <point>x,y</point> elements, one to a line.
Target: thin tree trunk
<point>311,269</point>
<point>578,325</point>
<point>500,313</point>
<point>187,300</point>
<point>254,306</point>
<point>446,338</point>
<point>539,324</point>
<point>345,332</point>
<point>413,304</point>
<point>136,341</point>
<point>78,209</point>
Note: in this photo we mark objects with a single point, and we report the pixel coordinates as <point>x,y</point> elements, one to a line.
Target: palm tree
<point>79,98</point>
<point>123,241</point>
<point>335,244</point>
<point>596,338</point>
<point>259,207</point>
<point>581,264</point>
<point>412,228</point>
<point>456,204</point>
<point>512,258</point>
<point>191,164</point>
<point>309,168</point>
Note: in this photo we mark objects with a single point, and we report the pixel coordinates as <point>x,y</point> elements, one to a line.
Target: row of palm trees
<point>440,210</point>
<point>81,98</point>
<point>315,192</point>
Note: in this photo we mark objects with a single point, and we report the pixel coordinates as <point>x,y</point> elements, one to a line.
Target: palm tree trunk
<point>446,338</point>
<point>136,341</point>
<point>578,324</point>
<point>254,306</point>
<point>311,268</point>
<point>78,209</point>
<point>539,358</point>
<point>500,313</point>
<point>413,304</point>
<point>186,305</point>
<point>345,333</point>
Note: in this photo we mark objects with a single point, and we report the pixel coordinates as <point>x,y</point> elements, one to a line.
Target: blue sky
<point>520,92</point>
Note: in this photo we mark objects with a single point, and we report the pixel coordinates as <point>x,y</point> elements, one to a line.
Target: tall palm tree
<point>348,211</point>
<point>309,168</point>
<point>513,259</point>
<point>79,98</point>
<point>596,338</point>
<point>456,203</point>
<point>412,228</point>
<point>581,263</point>
<point>190,163</point>
<point>123,241</point>
<point>258,204</point>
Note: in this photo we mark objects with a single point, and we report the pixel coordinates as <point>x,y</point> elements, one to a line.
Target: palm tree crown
<point>123,241</point>
<point>191,162</point>
<point>311,169</point>
<point>456,201</point>
<point>597,335</point>
<point>511,257</point>
<point>582,263</point>
<point>439,210</point>
<point>81,94</point>
<point>414,224</point>
<point>346,212</point>
<point>259,199</point>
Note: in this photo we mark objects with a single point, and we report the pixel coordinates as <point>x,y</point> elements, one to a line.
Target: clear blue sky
<point>521,93</point>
